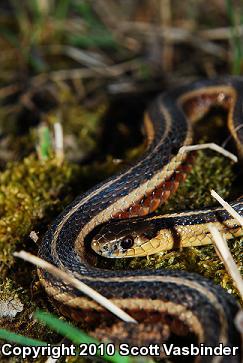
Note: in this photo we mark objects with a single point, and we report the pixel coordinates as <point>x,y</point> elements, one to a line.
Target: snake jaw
<point>105,249</point>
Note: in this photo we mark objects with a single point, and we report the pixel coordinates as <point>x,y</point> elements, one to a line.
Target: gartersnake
<point>204,308</point>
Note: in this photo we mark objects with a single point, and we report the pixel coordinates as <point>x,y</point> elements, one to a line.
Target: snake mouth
<point>107,249</point>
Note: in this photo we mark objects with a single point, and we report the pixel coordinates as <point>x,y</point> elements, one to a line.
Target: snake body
<point>206,309</point>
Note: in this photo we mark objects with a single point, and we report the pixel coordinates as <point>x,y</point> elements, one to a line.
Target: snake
<point>115,219</point>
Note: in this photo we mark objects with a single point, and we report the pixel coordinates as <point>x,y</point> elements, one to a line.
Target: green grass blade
<point>85,10</point>
<point>45,144</point>
<point>10,37</point>
<point>20,339</point>
<point>61,10</point>
<point>75,335</point>
<point>236,42</point>
<point>102,40</point>
<point>33,5</point>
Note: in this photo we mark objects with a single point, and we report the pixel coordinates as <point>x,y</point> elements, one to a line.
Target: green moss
<point>32,189</point>
<point>19,302</point>
<point>209,171</point>
<point>27,190</point>
<point>81,125</point>
<point>202,260</point>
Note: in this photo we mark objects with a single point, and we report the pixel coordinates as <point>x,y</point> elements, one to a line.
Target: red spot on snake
<point>153,200</point>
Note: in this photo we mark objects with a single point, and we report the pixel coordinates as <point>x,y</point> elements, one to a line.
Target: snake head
<point>124,238</point>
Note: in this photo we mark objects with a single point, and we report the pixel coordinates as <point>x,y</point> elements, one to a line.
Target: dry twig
<point>58,141</point>
<point>176,36</point>
<point>228,207</point>
<point>211,146</point>
<point>223,252</point>
<point>79,285</point>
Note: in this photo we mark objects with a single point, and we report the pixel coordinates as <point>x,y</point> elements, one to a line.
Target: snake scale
<point>120,206</point>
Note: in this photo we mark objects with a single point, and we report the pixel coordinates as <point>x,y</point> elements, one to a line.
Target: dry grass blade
<point>211,146</point>
<point>220,33</point>
<point>84,73</point>
<point>8,90</point>
<point>228,207</point>
<point>175,36</point>
<point>166,18</point>
<point>79,285</point>
<point>223,252</point>
<point>51,360</point>
<point>58,139</point>
<point>33,235</point>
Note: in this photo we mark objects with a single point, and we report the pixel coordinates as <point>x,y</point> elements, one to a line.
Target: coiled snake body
<point>207,310</point>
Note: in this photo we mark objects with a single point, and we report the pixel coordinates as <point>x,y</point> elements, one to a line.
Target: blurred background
<point>75,79</point>
<point>54,53</point>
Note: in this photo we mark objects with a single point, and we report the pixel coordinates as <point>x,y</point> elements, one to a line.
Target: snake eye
<point>127,242</point>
